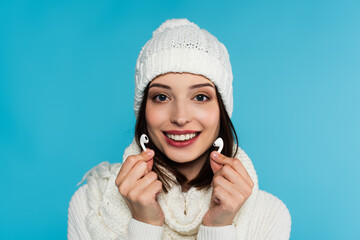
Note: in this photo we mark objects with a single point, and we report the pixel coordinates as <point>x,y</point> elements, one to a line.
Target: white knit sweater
<point>98,211</point>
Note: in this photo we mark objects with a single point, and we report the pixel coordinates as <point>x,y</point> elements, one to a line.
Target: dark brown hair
<point>161,161</point>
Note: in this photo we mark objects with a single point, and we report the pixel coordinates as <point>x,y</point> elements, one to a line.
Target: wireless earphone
<point>144,139</point>
<point>219,143</point>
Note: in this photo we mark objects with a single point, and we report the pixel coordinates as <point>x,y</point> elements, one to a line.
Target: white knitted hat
<point>181,46</point>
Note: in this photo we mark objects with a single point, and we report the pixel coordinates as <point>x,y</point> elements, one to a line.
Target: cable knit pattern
<point>269,209</point>
<point>262,216</point>
<point>77,213</point>
<point>179,45</point>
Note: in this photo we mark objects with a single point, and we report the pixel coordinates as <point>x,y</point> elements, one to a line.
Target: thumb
<point>150,162</point>
<point>215,166</point>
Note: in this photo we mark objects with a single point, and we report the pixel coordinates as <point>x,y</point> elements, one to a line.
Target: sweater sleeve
<point>78,209</point>
<point>143,231</point>
<point>216,233</point>
<point>271,219</point>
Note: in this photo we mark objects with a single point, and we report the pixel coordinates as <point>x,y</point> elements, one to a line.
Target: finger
<point>219,195</point>
<point>130,163</point>
<point>238,192</point>
<point>135,174</point>
<point>150,162</point>
<point>155,188</point>
<point>215,166</point>
<point>231,175</point>
<point>146,181</point>
<point>148,195</point>
<point>234,163</point>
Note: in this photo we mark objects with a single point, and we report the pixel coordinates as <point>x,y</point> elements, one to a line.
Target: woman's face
<point>182,115</point>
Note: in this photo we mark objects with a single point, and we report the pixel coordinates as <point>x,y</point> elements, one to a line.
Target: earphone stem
<point>220,144</point>
<point>220,148</point>
<point>143,146</point>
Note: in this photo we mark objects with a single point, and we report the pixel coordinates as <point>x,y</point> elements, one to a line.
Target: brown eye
<point>201,98</point>
<point>160,98</point>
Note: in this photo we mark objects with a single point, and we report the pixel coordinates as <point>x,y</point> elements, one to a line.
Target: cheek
<point>154,115</point>
<point>150,116</point>
<point>209,116</point>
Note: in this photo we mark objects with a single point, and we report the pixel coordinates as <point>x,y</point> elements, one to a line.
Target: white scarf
<point>109,214</point>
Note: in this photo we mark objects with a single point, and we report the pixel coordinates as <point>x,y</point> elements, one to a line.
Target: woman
<point>180,187</point>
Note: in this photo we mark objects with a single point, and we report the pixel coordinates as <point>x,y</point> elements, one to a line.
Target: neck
<point>191,169</point>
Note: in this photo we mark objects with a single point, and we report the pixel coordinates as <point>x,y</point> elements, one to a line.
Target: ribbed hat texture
<point>179,45</point>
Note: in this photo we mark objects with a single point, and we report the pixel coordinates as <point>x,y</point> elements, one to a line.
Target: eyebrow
<point>191,87</point>
<point>201,85</point>
<point>160,86</point>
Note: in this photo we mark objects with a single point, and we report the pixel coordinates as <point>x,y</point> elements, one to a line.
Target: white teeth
<point>181,137</point>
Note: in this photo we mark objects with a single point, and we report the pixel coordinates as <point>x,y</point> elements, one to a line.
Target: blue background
<point>66,94</point>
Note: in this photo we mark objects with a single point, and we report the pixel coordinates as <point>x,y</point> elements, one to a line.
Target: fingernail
<point>215,155</point>
<point>150,152</point>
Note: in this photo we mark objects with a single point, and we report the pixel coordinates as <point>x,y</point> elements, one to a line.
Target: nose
<point>181,114</point>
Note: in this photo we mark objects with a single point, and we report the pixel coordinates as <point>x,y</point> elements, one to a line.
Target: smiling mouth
<point>182,135</point>
<point>180,139</point>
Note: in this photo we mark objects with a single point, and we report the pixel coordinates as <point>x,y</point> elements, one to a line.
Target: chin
<point>184,155</point>
<point>181,156</point>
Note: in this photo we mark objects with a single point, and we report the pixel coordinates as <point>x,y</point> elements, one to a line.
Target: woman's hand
<point>232,185</point>
<point>139,186</point>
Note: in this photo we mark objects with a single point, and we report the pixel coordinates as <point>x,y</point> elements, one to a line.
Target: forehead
<point>181,79</point>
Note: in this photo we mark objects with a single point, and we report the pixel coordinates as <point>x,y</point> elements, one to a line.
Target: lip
<point>179,132</point>
<point>183,143</point>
